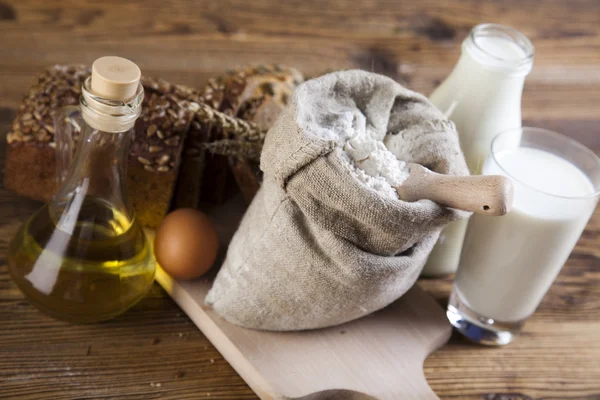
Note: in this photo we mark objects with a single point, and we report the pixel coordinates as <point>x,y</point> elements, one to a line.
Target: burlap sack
<point>317,247</point>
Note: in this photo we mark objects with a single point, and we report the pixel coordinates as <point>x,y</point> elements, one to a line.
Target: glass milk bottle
<point>482,96</point>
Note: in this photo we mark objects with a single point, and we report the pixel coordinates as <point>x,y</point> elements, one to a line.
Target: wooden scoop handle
<point>481,194</point>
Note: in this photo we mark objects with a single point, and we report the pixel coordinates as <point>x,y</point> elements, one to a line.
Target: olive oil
<point>83,257</point>
<point>86,270</point>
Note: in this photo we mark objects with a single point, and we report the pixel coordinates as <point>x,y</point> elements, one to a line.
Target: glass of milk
<point>508,263</point>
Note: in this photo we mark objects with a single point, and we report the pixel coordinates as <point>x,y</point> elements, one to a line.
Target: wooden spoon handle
<point>481,194</point>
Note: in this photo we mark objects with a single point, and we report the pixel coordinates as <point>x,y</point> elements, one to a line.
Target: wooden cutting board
<point>377,357</point>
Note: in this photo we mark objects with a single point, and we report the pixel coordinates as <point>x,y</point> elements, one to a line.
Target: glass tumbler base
<point>478,328</point>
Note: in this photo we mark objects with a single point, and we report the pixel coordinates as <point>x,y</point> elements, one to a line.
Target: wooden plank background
<point>154,351</point>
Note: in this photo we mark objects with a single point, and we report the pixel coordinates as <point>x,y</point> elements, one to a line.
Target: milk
<point>508,263</point>
<point>482,96</point>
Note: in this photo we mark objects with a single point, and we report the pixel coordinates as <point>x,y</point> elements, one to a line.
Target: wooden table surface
<point>154,351</point>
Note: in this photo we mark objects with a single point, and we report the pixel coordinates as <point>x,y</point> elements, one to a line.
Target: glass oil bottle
<point>83,257</point>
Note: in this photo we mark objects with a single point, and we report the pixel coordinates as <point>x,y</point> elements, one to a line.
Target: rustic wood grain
<point>154,351</point>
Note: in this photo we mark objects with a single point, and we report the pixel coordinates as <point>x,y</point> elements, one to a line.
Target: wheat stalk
<point>236,148</point>
<point>231,126</point>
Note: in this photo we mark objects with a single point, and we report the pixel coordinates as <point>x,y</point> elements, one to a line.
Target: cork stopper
<point>115,78</point>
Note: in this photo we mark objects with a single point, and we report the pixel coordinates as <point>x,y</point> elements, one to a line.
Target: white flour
<point>373,164</point>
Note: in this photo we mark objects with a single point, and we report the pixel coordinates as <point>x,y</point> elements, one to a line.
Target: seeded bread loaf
<point>155,153</point>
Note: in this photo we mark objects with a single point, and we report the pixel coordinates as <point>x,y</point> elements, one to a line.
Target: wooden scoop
<point>481,194</point>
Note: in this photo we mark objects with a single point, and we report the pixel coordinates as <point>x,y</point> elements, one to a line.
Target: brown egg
<point>186,244</point>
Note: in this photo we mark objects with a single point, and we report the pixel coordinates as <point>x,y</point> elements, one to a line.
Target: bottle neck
<point>495,60</point>
<point>468,69</point>
<point>109,115</point>
<point>471,84</point>
<point>100,158</point>
<point>500,50</point>
<point>472,92</point>
<point>489,75</point>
